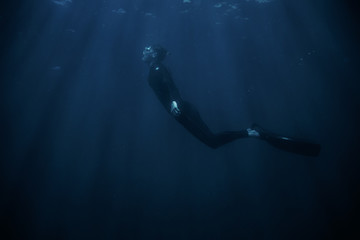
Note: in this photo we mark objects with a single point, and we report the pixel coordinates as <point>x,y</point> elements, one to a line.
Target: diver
<point>161,82</point>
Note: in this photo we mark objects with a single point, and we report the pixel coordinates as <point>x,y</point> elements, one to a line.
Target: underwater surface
<point>88,152</point>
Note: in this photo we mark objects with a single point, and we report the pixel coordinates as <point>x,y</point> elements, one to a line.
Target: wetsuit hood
<point>154,53</point>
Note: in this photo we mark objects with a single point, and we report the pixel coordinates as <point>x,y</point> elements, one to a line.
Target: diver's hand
<point>174,109</point>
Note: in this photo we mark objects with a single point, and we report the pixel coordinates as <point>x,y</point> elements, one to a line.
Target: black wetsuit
<point>161,82</point>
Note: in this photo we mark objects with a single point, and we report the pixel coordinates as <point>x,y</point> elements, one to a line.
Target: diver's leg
<point>229,136</point>
<point>191,120</point>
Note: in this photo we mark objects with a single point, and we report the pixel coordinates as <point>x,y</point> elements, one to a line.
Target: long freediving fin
<point>288,144</point>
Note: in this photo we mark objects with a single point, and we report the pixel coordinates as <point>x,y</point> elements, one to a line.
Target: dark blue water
<point>88,152</point>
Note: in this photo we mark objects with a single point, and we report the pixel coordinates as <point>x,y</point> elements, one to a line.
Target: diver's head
<point>154,53</point>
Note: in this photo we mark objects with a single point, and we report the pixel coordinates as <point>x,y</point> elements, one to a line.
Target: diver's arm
<point>161,81</point>
<point>175,97</point>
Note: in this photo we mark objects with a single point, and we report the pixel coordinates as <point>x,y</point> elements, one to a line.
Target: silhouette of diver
<point>161,82</point>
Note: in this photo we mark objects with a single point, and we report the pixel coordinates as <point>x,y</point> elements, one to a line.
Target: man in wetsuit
<point>161,82</point>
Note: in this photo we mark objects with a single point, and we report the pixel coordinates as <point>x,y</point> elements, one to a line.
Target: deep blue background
<point>87,151</point>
